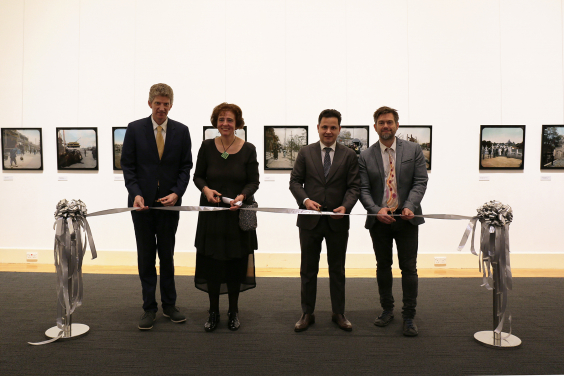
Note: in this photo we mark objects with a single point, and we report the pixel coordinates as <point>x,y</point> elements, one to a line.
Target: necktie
<point>327,161</point>
<point>160,141</point>
<point>391,187</point>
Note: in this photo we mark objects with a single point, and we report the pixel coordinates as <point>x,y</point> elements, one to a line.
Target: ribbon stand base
<point>75,331</point>
<point>490,338</point>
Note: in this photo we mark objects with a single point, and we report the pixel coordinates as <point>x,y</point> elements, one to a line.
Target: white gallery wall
<point>452,64</point>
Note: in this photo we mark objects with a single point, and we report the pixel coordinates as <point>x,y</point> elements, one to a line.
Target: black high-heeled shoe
<point>212,322</point>
<point>233,321</point>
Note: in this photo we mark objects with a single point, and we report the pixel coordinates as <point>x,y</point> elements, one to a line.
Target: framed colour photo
<point>355,137</point>
<point>212,132</point>
<point>118,133</point>
<point>502,147</point>
<point>22,149</point>
<point>282,144</point>
<point>77,149</point>
<point>420,134</point>
<point>552,147</point>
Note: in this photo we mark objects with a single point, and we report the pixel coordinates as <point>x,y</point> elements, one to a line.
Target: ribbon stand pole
<point>496,338</point>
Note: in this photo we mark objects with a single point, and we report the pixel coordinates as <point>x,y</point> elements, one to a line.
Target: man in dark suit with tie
<point>393,177</point>
<point>156,160</point>
<point>325,178</point>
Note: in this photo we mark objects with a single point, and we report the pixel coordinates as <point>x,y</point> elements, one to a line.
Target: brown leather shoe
<point>304,322</point>
<point>342,321</point>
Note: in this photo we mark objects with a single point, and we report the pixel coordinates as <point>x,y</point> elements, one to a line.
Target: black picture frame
<point>502,147</point>
<point>289,139</point>
<point>207,135</point>
<point>552,147</point>
<point>118,133</point>
<point>420,134</point>
<point>16,143</point>
<point>355,137</point>
<point>77,149</point>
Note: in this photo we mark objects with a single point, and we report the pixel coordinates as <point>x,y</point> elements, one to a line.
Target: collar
<point>322,145</point>
<point>155,125</point>
<point>384,147</point>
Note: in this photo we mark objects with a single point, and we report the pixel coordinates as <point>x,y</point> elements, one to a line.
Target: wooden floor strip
<point>283,272</point>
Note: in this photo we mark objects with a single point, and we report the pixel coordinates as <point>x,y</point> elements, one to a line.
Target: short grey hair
<point>161,90</point>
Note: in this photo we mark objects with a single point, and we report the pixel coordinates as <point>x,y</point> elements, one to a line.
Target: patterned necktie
<point>391,187</point>
<point>327,161</point>
<point>160,141</point>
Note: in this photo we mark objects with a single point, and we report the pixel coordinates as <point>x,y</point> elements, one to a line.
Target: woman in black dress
<point>227,166</point>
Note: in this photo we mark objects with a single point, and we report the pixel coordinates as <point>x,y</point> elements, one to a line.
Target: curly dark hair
<point>385,110</point>
<point>330,113</point>
<point>239,121</point>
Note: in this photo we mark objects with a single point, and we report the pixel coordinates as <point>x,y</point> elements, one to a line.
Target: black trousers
<point>310,243</point>
<point>406,236</point>
<point>155,232</point>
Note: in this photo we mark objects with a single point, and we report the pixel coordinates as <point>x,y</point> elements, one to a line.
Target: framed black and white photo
<point>420,134</point>
<point>354,137</point>
<point>502,147</point>
<point>118,133</point>
<point>22,149</point>
<point>282,144</point>
<point>212,132</point>
<point>77,148</point>
<point>552,149</point>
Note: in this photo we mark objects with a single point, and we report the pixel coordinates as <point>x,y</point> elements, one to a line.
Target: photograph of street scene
<point>212,132</point>
<point>21,149</point>
<point>420,134</point>
<point>552,152</point>
<point>281,146</point>
<point>502,147</point>
<point>118,135</point>
<point>77,149</point>
<point>354,137</point>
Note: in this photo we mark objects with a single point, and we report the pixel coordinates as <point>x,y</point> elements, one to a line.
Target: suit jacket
<point>411,179</point>
<point>144,172</point>
<point>340,188</point>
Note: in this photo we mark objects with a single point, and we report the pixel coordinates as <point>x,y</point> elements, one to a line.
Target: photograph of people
<point>226,167</point>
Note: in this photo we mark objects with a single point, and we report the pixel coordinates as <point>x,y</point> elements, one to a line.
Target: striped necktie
<point>327,161</point>
<point>391,186</point>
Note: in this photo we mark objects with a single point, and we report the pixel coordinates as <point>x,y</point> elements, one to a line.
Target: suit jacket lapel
<point>338,159</point>
<point>169,136</point>
<point>399,153</point>
<point>315,152</point>
<point>378,159</point>
<point>151,140</point>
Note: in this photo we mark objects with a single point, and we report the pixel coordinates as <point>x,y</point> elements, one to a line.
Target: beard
<point>387,136</point>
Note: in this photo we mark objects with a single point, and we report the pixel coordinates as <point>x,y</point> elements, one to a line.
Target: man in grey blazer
<point>325,178</point>
<point>393,180</point>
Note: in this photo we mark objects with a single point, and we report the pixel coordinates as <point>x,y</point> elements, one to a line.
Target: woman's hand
<point>234,202</point>
<point>212,195</point>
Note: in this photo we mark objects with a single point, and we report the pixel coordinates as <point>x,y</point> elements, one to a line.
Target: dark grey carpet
<point>450,311</point>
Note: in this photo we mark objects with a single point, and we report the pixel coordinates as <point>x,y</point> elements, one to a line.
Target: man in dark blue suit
<point>156,160</point>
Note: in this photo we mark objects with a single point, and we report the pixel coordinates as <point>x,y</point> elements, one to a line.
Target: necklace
<point>225,154</point>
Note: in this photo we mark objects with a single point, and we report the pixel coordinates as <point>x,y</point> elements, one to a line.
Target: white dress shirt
<point>155,125</point>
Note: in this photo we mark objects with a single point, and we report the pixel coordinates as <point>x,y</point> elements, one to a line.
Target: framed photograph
<point>420,134</point>
<point>282,144</point>
<point>552,149</point>
<point>118,133</point>
<point>502,147</point>
<point>22,149</point>
<point>77,148</point>
<point>212,132</point>
<point>354,137</point>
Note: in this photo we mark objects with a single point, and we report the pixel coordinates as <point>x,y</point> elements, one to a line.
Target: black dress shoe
<point>233,321</point>
<point>384,319</point>
<point>212,322</point>
<point>304,322</point>
<point>409,328</point>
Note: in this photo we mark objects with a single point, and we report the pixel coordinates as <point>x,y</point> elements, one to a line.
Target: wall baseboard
<point>292,260</point>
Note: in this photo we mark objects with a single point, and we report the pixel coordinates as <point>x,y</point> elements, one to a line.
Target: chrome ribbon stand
<point>72,235</point>
<point>495,266</point>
